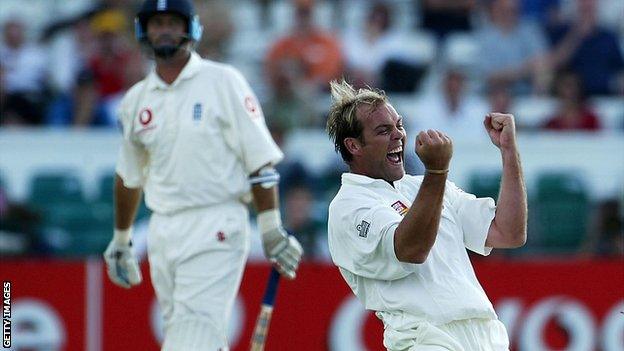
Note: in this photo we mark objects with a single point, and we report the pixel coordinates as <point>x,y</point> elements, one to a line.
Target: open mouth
<point>395,155</point>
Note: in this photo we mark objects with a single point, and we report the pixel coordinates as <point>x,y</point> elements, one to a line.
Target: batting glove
<point>122,265</point>
<point>283,250</point>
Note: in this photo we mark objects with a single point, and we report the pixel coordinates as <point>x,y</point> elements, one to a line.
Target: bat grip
<point>271,289</point>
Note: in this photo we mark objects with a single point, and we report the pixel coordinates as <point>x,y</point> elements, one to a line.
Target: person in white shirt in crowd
<point>195,141</point>
<point>451,109</point>
<point>23,74</point>
<point>400,240</point>
<point>513,50</point>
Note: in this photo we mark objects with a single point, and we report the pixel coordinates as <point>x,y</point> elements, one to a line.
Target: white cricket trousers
<point>197,257</point>
<point>462,335</point>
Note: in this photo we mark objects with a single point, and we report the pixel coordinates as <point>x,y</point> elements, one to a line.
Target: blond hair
<point>342,121</point>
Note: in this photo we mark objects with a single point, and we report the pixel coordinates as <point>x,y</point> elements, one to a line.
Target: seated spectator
<point>111,67</point>
<point>590,50</point>
<point>512,50</point>
<point>299,215</point>
<point>315,53</point>
<point>451,110</point>
<point>367,49</point>
<point>218,29</point>
<point>573,113</point>
<point>289,105</point>
<point>606,235</point>
<point>24,71</point>
<point>446,16</point>
<point>19,225</point>
<point>499,97</point>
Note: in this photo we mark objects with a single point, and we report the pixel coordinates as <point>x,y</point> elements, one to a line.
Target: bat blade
<point>266,311</point>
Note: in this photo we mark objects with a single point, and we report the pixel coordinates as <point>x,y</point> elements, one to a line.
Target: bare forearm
<point>416,234</point>
<point>264,199</point>
<point>126,204</point>
<point>511,210</point>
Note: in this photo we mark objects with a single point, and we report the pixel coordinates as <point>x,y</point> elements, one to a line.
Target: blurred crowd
<point>457,59</point>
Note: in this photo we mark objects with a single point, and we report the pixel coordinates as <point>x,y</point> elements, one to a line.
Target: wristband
<point>437,171</point>
<point>122,236</point>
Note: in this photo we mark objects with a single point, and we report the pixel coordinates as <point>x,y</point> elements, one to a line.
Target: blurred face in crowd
<point>304,18</point>
<point>379,17</point>
<point>500,99</point>
<point>569,87</point>
<point>299,202</point>
<point>504,12</point>
<point>454,85</point>
<point>378,153</point>
<point>166,30</point>
<point>14,34</point>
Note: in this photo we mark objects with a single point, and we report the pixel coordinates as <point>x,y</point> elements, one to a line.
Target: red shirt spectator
<point>573,113</point>
<point>580,120</point>
<point>315,54</point>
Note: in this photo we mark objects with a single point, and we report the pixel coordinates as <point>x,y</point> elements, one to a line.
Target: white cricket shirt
<point>362,219</point>
<point>193,143</point>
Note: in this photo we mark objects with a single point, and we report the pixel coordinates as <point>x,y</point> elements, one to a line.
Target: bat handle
<point>271,289</point>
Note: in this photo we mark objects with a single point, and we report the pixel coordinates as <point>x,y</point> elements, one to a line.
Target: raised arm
<point>509,226</point>
<point>416,234</point>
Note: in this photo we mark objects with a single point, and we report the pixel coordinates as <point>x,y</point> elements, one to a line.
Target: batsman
<point>196,144</point>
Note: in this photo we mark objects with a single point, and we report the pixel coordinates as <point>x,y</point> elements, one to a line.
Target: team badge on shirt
<point>197,112</point>
<point>400,207</point>
<point>362,229</point>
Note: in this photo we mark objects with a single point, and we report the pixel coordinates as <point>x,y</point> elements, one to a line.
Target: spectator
<point>218,29</point>
<point>590,50</point>
<point>108,68</point>
<point>452,111</point>
<point>499,97</point>
<point>315,53</point>
<point>298,207</point>
<point>446,16</point>
<point>24,71</point>
<point>606,237</point>
<point>367,49</point>
<point>18,227</point>
<point>512,50</point>
<point>573,113</point>
<point>289,106</point>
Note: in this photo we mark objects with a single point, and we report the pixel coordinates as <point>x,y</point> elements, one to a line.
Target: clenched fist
<point>434,149</point>
<point>501,128</point>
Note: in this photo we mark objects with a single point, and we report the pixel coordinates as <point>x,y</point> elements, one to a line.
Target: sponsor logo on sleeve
<point>400,207</point>
<point>362,229</point>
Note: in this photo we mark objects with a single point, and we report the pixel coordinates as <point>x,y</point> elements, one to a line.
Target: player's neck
<point>169,69</point>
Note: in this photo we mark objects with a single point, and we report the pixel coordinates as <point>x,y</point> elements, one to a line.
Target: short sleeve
<point>132,159</point>
<point>245,128</point>
<point>475,217</point>
<point>362,241</point>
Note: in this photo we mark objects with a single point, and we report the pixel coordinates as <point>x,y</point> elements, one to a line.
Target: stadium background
<point>65,64</point>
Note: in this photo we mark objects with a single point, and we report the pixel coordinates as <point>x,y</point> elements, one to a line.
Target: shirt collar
<point>358,179</point>
<point>190,69</point>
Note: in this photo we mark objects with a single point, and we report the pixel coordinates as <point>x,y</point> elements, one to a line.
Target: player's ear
<point>353,145</point>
